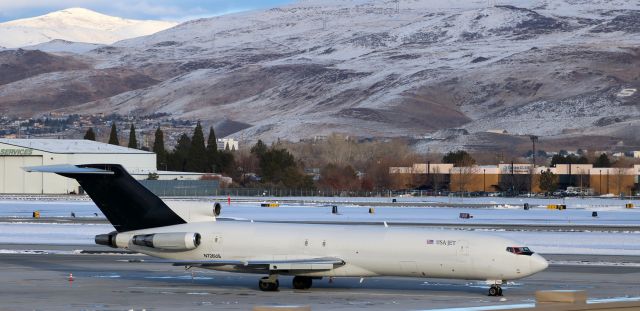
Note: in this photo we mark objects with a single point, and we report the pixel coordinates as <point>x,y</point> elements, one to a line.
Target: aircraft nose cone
<point>537,263</point>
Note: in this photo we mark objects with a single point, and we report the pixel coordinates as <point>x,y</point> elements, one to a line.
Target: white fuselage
<point>366,250</point>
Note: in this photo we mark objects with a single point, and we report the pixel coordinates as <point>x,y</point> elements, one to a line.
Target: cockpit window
<point>520,250</point>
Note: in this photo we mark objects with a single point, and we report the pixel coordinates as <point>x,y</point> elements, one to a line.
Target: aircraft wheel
<point>264,286</point>
<point>274,286</point>
<point>495,290</point>
<point>267,286</point>
<point>302,282</point>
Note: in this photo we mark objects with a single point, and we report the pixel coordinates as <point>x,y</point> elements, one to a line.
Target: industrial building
<point>18,153</point>
<point>524,178</point>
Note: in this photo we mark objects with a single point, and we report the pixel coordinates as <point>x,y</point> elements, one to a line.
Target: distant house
<point>313,172</point>
<point>498,131</point>
<point>227,143</point>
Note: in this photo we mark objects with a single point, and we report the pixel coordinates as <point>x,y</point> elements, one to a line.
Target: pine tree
<point>548,181</point>
<point>259,149</point>
<point>197,152</point>
<point>133,142</point>
<point>90,135</point>
<point>113,136</point>
<point>226,162</point>
<point>602,161</point>
<point>179,158</point>
<point>459,158</point>
<point>158,149</point>
<point>212,152</point>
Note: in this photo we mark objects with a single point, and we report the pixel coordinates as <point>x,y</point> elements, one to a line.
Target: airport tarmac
<point>109,282</point>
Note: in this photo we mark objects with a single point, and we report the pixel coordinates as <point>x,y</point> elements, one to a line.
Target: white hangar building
<point>18,153</point>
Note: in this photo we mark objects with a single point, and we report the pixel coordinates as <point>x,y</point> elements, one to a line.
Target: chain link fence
<point>178,188</point>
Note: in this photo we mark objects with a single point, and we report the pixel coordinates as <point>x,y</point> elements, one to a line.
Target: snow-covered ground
<point>30,233</point>
<point>611,212</point>
<point>53,208</point>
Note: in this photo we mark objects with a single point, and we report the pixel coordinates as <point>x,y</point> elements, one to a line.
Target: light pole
<point>534,139</point>
<point>600,182</point>
<point>484,180</point>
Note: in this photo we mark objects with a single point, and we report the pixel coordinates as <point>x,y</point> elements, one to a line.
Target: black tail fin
<point>126,203</point>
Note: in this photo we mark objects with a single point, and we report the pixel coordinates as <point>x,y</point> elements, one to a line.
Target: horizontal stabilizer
<point>66,169</point>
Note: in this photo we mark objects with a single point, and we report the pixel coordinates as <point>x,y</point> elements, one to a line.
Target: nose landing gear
<point>495,290</point>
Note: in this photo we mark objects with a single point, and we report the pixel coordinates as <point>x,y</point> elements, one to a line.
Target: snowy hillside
<point>555,68</point>
<point>75,25</point>
<point>58,45</point>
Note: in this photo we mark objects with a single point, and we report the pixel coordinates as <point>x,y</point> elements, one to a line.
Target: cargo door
<point>462,248</point>
<point>463,261</point>
<point>213,247</point>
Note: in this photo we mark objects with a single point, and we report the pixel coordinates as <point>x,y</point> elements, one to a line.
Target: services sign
<point>16,152</point>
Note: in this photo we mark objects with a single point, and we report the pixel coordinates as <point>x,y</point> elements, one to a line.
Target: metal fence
<point>196,188</point>
<point>182,187</point>
<point>276,192</point>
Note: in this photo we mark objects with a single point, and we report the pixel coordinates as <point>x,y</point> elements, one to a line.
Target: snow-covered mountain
<point>75,25</point>
<point>560,69</point>
<point>58,46</point>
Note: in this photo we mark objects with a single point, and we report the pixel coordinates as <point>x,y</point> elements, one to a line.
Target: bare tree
<point>465,171</point>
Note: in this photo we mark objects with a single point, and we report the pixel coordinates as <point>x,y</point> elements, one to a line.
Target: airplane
<point>144,223</point>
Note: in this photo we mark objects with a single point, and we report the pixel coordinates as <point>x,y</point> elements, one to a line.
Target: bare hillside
<point>558,69</point>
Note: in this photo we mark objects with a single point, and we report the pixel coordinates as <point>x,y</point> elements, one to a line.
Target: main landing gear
<point>495,290</point>
<point>269,283</point>
<point>302,282</point>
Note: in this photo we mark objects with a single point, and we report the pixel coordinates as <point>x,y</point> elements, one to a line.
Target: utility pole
<point>484,180</point>
<point>513,178</point>
<point>428,174</point>
<point>534,139</point>
<point>600,182</point>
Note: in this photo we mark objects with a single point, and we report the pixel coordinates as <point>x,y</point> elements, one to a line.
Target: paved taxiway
<point>108,282</point>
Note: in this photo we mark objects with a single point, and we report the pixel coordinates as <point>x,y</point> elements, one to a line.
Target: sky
<point>172,10</point>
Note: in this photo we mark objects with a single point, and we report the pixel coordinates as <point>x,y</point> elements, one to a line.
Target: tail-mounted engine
<point>174,241</point>
<point>108,239</point>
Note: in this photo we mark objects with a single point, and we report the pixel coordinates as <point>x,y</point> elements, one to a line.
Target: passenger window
<point>306,242</point>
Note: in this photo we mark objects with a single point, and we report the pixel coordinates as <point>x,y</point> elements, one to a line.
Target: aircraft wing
<point>310,264</point>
